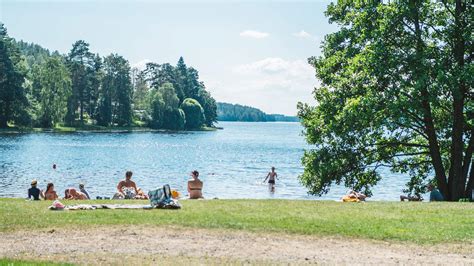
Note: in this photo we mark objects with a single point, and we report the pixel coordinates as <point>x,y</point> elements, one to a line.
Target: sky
<point>247,52</point>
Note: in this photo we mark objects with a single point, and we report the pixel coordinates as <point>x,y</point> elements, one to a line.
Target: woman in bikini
<point>50,194</point>
<point>195,186</point>
<point>271,176</point>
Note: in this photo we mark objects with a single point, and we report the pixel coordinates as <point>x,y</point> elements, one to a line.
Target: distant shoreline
<point>16,130</point>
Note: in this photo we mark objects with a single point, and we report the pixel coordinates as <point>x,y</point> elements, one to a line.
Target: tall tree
<point>80,61</point>
<point>13,99</point>
<point>115,104</point>
<point>209,105</point>
<point>95,75</point>
<point>55,87</point>
<point>194,113</point>
<point>181,85</point>
<point>397,92</point>
<point>173,116</point>
<point>140,90</point>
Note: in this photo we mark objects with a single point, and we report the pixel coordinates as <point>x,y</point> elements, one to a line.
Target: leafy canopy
<point>396,92</point>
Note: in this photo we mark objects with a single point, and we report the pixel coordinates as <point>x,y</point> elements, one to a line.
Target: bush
<point>174,119</point>
<point>194,113</point>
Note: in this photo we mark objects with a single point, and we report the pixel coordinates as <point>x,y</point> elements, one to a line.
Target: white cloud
<point>305,35</point>
<point>302,34</point>
<point>254,34</point>
<point>140,65</point>
<point>273,84</point>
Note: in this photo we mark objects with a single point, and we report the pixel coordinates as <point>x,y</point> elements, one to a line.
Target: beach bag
<point>161,198</point>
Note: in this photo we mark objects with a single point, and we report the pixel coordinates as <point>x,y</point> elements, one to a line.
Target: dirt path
<point>142,245</point>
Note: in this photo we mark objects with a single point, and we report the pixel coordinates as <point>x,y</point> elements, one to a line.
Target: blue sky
<point>252,53</point>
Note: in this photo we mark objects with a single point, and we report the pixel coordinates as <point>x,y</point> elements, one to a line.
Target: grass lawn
<point>11,262</point>
<point>424,223</point>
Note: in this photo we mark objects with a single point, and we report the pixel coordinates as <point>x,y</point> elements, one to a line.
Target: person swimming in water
<point>271,176</point>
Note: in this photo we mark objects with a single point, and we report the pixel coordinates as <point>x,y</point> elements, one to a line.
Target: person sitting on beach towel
<point>50,194</point>
<point>353,196</point>
<point>126,189</point>
<point>73,194</point>
<point>195,186</point>
<point>34,192</point>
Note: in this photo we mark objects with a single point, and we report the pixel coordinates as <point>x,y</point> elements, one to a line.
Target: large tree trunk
<point>457,181</point>
<point>429,127</point>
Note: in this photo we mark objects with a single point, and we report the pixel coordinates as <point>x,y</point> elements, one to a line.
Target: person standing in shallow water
<point>271,176</point>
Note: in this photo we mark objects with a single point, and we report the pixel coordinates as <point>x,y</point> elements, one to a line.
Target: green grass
<point>10,262</point>
<point>425,223</point>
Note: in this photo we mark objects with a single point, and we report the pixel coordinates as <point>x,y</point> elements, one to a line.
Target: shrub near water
<point>194,113</point>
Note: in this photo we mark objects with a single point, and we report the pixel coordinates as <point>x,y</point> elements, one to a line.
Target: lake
<point>233,162</point>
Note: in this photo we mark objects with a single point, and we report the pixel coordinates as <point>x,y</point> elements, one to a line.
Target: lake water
<point>233,162</point>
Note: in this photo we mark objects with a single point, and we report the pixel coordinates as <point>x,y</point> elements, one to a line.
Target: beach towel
<point>102,206</point>
<point>349,199</point>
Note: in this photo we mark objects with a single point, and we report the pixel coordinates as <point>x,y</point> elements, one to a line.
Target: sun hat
<point>34,182</point>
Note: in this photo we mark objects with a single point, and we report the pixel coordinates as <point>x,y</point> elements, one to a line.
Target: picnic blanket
<point>101,206</point>
<point>160,198</point>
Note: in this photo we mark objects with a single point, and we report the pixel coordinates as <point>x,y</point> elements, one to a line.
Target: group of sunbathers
<point>126,189</point>
<point>35,193</point>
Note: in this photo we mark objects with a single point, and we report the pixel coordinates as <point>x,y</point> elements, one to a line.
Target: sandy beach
<point>179,245</point>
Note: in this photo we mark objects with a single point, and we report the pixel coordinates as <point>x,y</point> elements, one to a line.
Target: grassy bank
<point>428,223</point>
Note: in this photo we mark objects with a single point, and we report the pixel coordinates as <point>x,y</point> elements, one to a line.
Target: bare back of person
<point>50,195</point>
<point>195,189</point>
<point>127,184</point>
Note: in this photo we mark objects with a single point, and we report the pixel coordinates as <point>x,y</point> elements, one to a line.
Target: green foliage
<point>237,112</point>
<point>115,96</point>
<point>156,109</point>
<point>80,61</point>
<point>193,112</point>
<point>54,88</point>
<point>35,87</point>
<point>209,105</point>
<point>186,84</point>
<point>13,100</point>
<point>396,91</point>
<point>174,119</point>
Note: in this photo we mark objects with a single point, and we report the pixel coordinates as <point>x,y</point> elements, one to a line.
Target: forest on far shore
<point>237,112</point>
<point>40,88</point>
